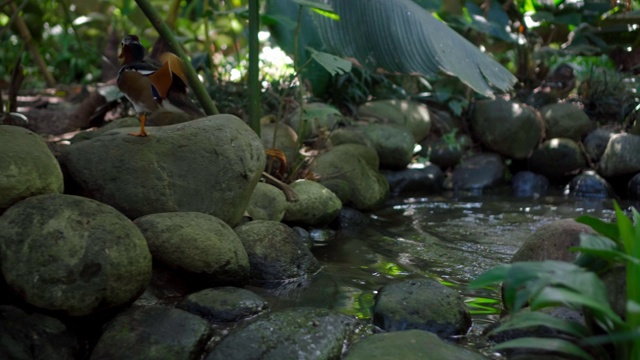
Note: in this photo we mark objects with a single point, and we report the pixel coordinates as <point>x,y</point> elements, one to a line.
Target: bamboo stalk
<point>254,80</point>
<point>165,32</point>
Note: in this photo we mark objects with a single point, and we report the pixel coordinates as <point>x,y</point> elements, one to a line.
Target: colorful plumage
<point>151,86</point>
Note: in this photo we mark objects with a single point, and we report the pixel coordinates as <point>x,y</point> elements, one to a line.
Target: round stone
<point>72,254</point>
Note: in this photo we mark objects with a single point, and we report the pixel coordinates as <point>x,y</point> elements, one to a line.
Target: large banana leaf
<point>401,36</point>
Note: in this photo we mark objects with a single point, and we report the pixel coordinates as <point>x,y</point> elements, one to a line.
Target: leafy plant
<point>576,285</point>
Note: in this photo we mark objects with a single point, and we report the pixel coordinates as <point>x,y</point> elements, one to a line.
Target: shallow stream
<point>451,238</point>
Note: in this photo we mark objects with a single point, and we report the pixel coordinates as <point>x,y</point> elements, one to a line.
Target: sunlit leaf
<point>329,14</point>
<point>483,306</point>
<point>333,64</point>
<point>558,345</point>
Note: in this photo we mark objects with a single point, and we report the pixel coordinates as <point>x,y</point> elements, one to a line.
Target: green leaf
<point>400,36</point>
<point>626,229</point>
<point>524,280</point>
<point>492,276</point>
<point>557,345</point>
<point>333,64</point>
<point>633,307</point>
<point>618,336</point>
<point>597,252</point>
<point>610,255</point>
<point>553,296</point>
<point>525,319</point>
<point>609,230</point>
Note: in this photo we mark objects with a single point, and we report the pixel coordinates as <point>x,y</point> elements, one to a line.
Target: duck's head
<point>131,50</point>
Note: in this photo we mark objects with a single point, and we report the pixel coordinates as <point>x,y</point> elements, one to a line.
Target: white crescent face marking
<point>141,72</point>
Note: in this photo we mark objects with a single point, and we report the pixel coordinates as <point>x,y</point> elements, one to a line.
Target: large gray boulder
<point>507,127</point>
<point>316,206</point>
<point>210,165</point>
<point>411,114</point>
<point>160,118</point>
<point>300,333</point>
<point>72,254</point>
<point>620,156</point>
<point>552,242</point>
<point>27,167</point>
<point>153,333</point>
<point>353,167</point>
<point>196,243</point>
<point>408,345</point>
<point>276,253</point>
<point>422,304</point>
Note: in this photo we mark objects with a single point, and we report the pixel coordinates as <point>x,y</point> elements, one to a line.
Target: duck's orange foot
<point>139,133</point>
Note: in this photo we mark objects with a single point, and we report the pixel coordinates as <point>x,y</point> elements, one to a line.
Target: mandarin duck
<point>151,86</point>
<point>559,83</point>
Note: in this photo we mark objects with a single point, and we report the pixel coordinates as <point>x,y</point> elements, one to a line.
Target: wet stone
<point>408,345</point>
<point>224,304</point>
<point>275,252</point>
<point>300,333</point>
<point>590,185</point>
<point>153,333</point>
<point>529,184</point>
<point>634,186</point>
<point>478,172</point>
<point>422,304</point>
<point>416,178</point>
<point>34,336</point>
